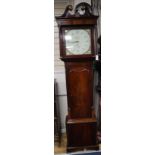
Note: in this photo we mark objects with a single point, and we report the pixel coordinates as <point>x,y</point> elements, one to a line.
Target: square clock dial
<point>78,41</point>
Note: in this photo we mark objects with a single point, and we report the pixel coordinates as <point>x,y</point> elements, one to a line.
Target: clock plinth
<point>80,134</point>
<point>77,33</point>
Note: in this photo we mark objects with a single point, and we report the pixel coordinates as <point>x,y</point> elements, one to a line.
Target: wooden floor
<point>60,148</point>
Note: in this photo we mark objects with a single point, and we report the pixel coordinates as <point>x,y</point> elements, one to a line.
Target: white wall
<point>62,96</point>
<point>79,1</point>
<point>59,7</point>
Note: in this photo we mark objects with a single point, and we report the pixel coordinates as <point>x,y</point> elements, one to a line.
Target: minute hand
<point>73,41</point>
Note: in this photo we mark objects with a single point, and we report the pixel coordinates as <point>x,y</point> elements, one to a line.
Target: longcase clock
<point>77,33</point>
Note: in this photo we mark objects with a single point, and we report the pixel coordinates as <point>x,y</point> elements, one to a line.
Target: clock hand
<point>73,41</point>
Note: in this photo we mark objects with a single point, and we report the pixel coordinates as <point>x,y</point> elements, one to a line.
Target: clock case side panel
<point>79,78</point>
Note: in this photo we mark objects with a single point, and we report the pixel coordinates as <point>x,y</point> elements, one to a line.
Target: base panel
<point>81,135</point>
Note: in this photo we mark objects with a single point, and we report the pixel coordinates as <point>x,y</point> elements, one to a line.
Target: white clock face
<point>78,41</point>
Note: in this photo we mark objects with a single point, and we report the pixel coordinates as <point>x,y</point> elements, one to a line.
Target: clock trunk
<point>79,76</point>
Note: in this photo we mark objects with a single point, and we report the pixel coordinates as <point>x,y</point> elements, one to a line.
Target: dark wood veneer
<point>79,78</point>
<point>81,134</point>
<point>77,21</point>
